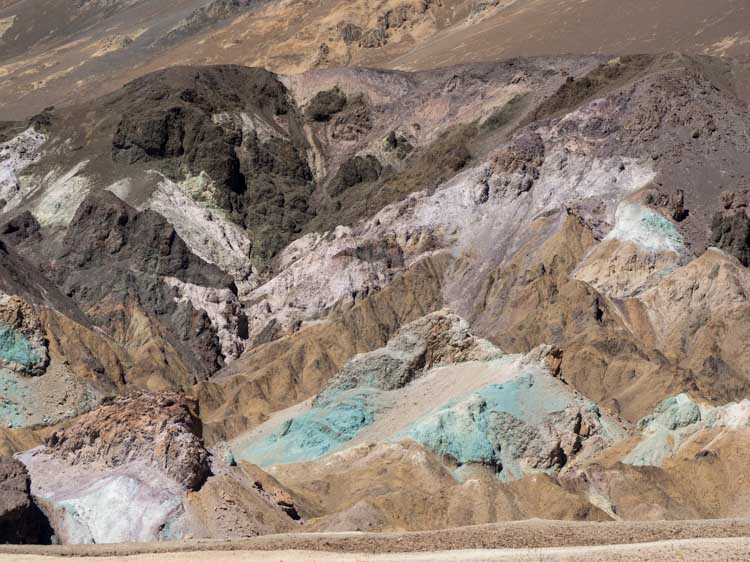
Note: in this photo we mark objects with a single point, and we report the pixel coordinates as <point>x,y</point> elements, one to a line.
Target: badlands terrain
<point>374,278</point>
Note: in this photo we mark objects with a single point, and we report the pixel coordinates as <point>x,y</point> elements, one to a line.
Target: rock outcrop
<point>23,345</point>
<point>237,126</point>
<point>161,430</point>
<point>290,251</point>
<point>121,472</point>
<point>507,413</point>
<point>436,339</point>
<point>114,265</point>
<point>21,521</point>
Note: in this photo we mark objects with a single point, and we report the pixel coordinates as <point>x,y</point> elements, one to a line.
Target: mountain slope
<point>54,56</point>
<point>488,291</point>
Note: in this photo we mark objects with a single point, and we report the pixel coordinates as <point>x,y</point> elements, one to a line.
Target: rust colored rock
<point>161,430</point>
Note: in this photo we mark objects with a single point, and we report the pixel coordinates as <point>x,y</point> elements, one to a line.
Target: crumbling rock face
<point>105,229</point>
<point>23,345</point>
<point>373,38</point>
<point>20,228</point>
<point>21,521</point>
<point>575,90</point>
<point>349,32</point>
<point>398,144</point>
<point>730,231</point>
<point>393,19</point>
<point>526,149</point>
<point>435,339</point>
<point>353,122</point>
<point>213,12</point>
<point>222,308</point>
<point>354,172</point>
<point>17,154</point>
<point>517,165</point>
<point>675,101</point>
<point>112,265</point>
<point>669,204</point>
<point>161,430</point>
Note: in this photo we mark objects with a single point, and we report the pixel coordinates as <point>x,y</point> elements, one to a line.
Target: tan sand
<point>693,550</point>
<point>527,540</point>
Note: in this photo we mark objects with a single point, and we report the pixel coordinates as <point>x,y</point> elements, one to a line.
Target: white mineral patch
<point>6,24</point>
<point>63,194</point>
<point>117,509</point>
<point>95,504</point>
<point>247,124</point>
<point>16,155</point>
<point>308,285</point>
<point>122,188</point>
<point>731,416</point>
<point>646,228</point>
<point>207,232</point>
<point>222,308</point>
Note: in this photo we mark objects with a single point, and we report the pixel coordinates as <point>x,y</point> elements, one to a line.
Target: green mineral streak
<point>647,228</point>
<point>169,532</point>
<point>315,433</point>
<point>466,429</point>
<point>13,394</point>
<point>664,430</point>
<point>15,348</point>
<point>229,459</point>
<point>656,223</point>
<point>458,431</point>
<point>203,191</point>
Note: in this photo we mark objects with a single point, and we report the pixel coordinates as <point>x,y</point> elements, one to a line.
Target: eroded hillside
<point>487,292</point>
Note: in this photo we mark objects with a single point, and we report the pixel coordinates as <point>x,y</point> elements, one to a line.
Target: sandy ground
<point>693,550</point>
<point>536,540</point>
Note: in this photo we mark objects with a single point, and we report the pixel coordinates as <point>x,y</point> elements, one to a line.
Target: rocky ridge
<point>519,283</point>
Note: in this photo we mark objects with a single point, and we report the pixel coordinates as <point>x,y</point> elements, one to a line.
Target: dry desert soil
<point>723,540</point>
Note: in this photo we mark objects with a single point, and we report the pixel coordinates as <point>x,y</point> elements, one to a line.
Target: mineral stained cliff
<point>235,301</point>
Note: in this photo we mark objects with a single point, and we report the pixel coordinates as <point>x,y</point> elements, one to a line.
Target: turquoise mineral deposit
<point>16,348</point>
<point>315,433</point>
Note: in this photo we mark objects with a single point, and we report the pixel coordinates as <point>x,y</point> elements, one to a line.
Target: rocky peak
<point>439,338</point>
<point>106,228</point>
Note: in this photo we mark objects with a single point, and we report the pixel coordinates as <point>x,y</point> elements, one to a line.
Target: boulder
<point>21,521</point>
<point>161,430</point>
